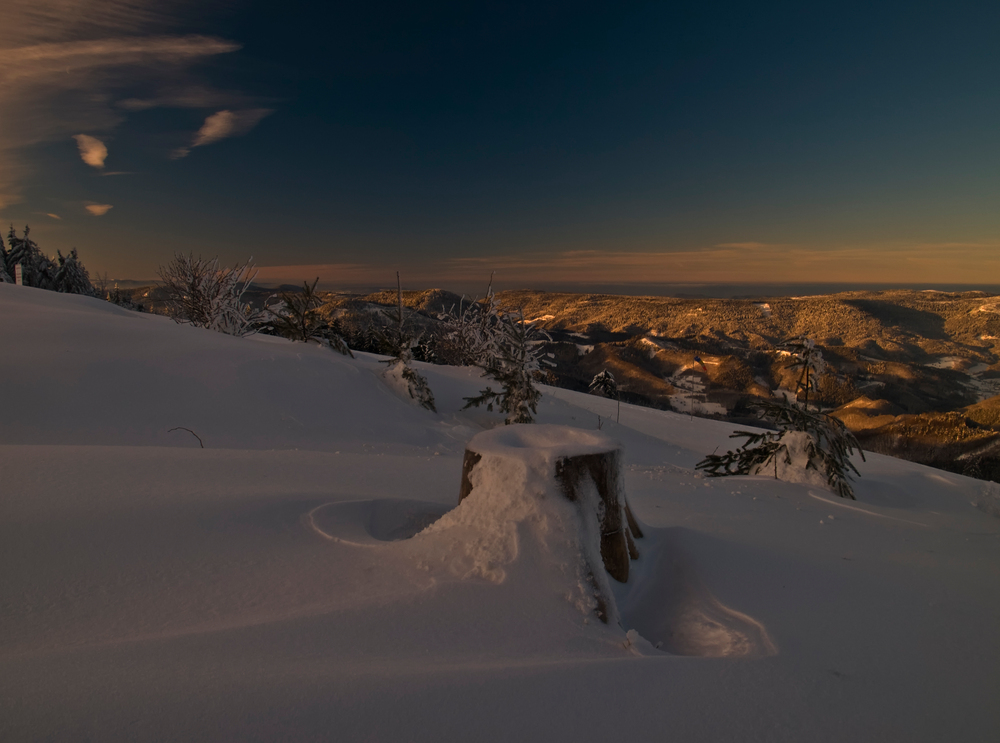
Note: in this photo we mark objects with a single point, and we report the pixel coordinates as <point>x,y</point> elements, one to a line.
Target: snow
<point>689,391</point>
<point>516,506</point>
<point>983,387</point>
<point>655,345</point>
<point>307,575</point>
<point>947,362</point>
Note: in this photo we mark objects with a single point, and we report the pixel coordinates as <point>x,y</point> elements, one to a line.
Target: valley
<point>912,374</point>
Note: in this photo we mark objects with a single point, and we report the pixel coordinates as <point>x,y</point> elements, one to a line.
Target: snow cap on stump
<point>531,473</point>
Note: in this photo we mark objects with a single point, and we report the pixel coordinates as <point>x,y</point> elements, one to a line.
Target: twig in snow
<point>181,428</point>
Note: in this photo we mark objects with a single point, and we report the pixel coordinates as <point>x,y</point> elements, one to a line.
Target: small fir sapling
<point>399,343</point>
<point>508,349</point>
<point>605,384</point>
<point>808,359</point>
<point>297,316</point>
<point>206,296</point>
<point>426,349</point>
<point>805,439</point>
<point>372,340</point>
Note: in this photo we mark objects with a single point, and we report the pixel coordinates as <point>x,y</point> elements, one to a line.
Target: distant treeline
<point>65,274</point>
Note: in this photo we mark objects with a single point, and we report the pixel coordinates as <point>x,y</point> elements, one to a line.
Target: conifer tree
<point>371,339</point>
<point>605,384</point>
<point>6,277</point>
<point>809,361</point>
<point>71,276</point>
<point>505,347</point>
<point>36,269</point>
<point>426,349</point>
<point>400,342</point>
<point>512,357</point>
<point>804,439</point>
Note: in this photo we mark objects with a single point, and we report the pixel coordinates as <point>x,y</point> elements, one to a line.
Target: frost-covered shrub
<point>206,296</point>
<point>470,329</point>
<point>806,444</point>
<point>297,316</point>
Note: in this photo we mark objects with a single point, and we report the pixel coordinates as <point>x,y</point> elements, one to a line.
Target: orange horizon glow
<point>939,263</point>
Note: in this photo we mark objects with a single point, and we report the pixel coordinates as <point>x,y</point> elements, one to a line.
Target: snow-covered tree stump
<point>584,466</point>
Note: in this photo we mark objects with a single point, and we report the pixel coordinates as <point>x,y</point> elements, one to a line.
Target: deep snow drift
<point>282,583</point>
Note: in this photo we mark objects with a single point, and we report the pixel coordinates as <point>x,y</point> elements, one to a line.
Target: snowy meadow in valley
<point>211,537</point>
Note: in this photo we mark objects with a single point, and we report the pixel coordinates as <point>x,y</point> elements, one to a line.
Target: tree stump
<point>574,458</point>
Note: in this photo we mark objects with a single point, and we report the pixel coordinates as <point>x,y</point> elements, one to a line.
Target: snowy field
<point>263,588</point>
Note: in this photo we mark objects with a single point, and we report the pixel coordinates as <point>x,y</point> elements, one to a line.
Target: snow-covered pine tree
<point>399,342</point>
<point>6,277</point>
<point>297,316</point>
<point>805,440</point>
<point>206,296</point>
<point>37,269</point>
<point>71,276</point>
<point>371,340</point>
<point>605,384</point>
<point>426,349</point>
<point>512,356</point>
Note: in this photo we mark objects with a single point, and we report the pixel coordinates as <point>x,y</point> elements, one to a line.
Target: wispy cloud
<point>747,246</point>
<point>69,61</point>
<point>188,96</point>
<point>45,20</point>
<point>99,210</point>
<point>223,124</point>
<point>38,60</point>
<point>92,150</point>
<point>54,216</point>
<point>896,263</point>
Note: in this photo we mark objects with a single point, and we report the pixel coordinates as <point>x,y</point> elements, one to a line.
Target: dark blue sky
<point>555,142</point>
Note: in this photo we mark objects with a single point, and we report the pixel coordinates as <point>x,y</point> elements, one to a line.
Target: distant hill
<point>912,373</point>
<point>907,369</point>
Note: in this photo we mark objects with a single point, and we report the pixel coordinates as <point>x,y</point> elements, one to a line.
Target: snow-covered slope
<point>260,588</point>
